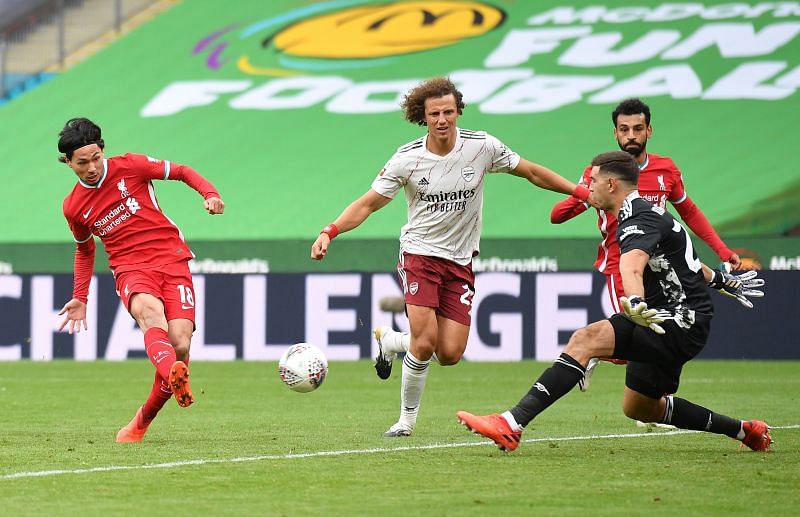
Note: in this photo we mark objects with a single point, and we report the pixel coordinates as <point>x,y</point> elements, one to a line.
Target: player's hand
<point>636,309</point>
<point>75,311</point>
<point>592,201</point>
<point>742,287</point>
<point>735,261</point>
<point>320,246</point>
<point>214,205</point>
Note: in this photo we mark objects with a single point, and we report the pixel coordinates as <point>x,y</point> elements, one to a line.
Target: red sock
<point>159,395</point>
<point>159,350</point>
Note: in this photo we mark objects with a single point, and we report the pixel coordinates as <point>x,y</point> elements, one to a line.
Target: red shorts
<point>170,283</point>
<point>439,283</point>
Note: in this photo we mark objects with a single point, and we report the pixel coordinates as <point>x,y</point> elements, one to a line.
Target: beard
<point>633,148</point>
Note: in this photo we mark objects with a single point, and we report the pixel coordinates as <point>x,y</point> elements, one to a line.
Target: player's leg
<point>148,311</point>
<point>179,307</point>
<point>424,330</point>
<point>390,342</point>
<point>162,346</point>
<point>160,393</point>
<point>180,334</point>
<point>454,313</point>
<point>683,414</point>
<point>655,366</point>
<point>595,340</point>
<point>614,288</point>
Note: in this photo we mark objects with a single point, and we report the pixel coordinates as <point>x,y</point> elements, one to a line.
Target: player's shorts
<point>655,360</point>
<point>439,283</point>
<point>170,283</point>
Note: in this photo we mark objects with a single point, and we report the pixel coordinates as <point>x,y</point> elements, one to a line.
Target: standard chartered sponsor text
<point>111,221</point>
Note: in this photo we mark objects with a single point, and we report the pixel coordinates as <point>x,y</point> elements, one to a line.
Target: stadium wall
<point>255,317</point>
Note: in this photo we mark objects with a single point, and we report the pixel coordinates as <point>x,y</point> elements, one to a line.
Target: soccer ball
<point>303,367</point>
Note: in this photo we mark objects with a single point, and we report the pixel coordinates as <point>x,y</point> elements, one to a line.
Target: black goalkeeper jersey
<point>673,278</point>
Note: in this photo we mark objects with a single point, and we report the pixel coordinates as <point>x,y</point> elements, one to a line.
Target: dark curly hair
<point>632,106</point>
<point>78,132</point>
<point>414,102</point>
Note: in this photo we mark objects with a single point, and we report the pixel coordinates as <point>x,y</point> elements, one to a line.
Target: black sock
<point>686,415</point>
<point>554,383</point>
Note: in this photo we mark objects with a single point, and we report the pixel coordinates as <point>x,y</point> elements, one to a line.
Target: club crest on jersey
<point>123,190</point>
<point>413,287</point>
<point>468,173</point>
<point>661,185</point>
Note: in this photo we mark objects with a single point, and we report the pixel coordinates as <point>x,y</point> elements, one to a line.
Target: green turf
<point>63,415</point>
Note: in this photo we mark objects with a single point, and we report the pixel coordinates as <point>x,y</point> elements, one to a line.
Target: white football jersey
<point>444,194</point>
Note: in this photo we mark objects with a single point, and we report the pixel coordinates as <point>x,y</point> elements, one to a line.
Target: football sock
<point>159,350</point>
<point>512,422</point>
<point>415,373</point>
<point>554,383</point>
<point>159,395</point>
<point>395,342</point>
<point>686,415</point>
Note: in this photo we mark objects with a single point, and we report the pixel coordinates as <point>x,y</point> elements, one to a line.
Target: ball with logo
<point>303,367</point>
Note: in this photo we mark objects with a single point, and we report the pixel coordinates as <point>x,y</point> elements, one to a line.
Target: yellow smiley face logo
<point>387,30</point>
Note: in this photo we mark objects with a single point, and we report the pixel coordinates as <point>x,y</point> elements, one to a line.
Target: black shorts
<point>655,360</point>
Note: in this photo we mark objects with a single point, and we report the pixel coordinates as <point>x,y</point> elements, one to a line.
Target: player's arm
<point>212,201</point>
<point>74,311</point>
<point>570,207</point>
<point>352,216</point>
<point>631,269</point>
<point>545,178</point>
<point>566,209</point>
<point>153,168</point>
<point>699,224</point>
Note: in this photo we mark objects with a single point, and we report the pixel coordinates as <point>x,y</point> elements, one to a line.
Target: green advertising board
<point>292,107</point>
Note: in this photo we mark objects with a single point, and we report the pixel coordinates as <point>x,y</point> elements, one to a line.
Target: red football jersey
<point>122,210</point>
<point>659,181</point>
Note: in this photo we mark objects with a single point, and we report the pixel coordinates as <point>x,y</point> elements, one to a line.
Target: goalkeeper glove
<point>636,310</point>
<point>737,286</point>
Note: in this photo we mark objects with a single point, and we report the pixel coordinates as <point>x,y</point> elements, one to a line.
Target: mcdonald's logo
<point>373,31</point>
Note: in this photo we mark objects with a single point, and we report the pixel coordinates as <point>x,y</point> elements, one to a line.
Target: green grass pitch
<point>249,446</point>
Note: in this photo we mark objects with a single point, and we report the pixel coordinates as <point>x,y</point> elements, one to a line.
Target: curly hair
<point>631,106</point>
<point>414,102</point>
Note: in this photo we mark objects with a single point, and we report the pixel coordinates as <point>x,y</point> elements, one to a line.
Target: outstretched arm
<point>213,204</point>
<point>545,178</point>
<point>698,222</point>
<point>352,216</point>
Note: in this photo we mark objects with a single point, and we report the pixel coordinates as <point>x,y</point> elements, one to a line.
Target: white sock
<point>741,434</point>
<point>395,342</point>
<point>415,373</point>
<point>512,422</point>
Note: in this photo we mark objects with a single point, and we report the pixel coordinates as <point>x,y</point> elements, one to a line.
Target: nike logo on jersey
<point>86,215</point>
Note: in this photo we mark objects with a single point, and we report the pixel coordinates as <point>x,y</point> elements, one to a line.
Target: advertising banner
<point>255,317</point>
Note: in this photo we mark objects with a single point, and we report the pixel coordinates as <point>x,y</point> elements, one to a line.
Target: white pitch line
<point>318,454</point>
